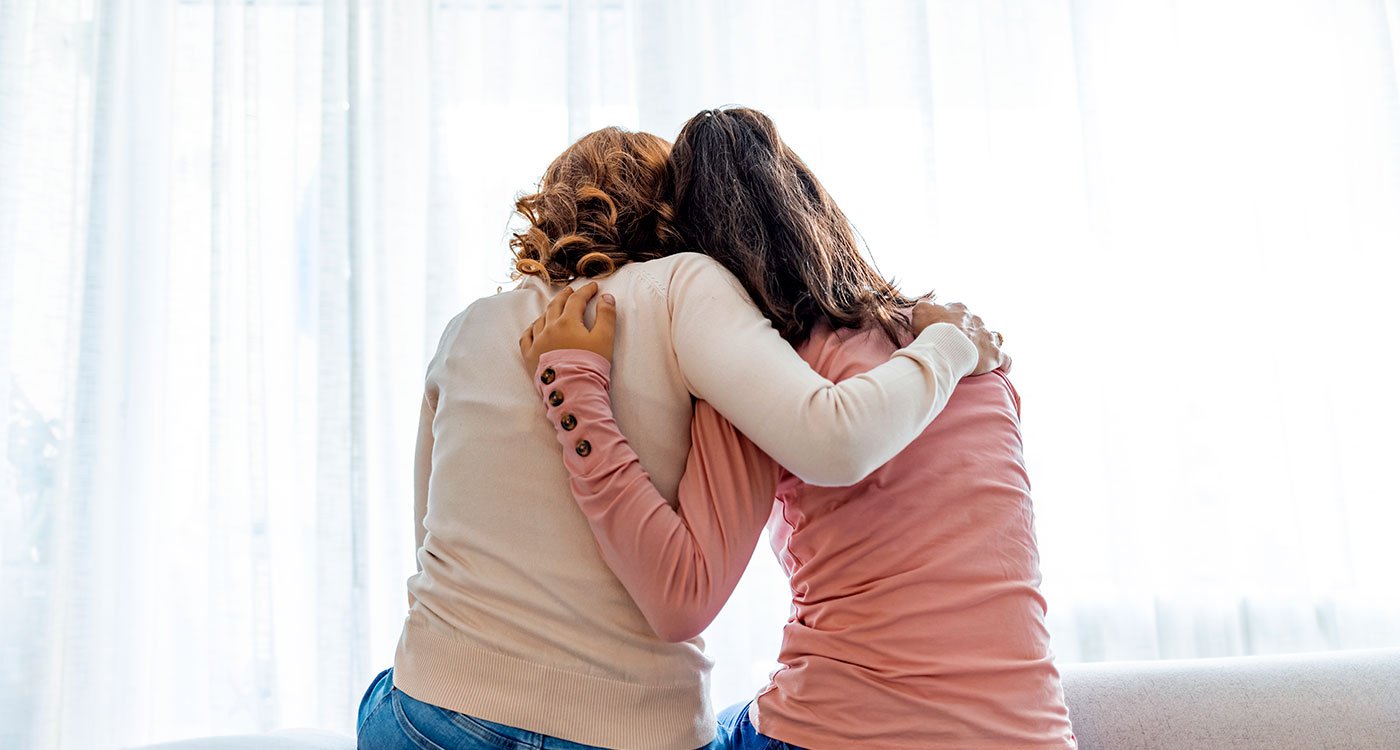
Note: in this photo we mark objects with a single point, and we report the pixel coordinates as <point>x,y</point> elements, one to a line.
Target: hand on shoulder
<point>562,327</point>
<point>988,342</point>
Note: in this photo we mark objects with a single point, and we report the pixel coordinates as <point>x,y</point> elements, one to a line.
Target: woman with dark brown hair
<point>517,633</point>
<point>917,623</point>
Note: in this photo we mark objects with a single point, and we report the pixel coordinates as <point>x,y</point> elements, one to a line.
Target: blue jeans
<point>736,732</point>
<point>391,720</point>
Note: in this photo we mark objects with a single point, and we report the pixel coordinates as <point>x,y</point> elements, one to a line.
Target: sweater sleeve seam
<point>657,287</point>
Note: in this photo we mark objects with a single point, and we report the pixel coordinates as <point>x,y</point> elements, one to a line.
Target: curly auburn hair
<point>598,207</point>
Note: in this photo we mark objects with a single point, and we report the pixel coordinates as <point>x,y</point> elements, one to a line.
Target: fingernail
<point>608,298</point>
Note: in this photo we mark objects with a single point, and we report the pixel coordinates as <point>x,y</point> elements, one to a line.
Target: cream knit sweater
<point>514,617</point>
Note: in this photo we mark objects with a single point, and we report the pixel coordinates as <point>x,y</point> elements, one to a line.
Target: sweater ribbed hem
<point>437,669</point>
<point>772,723</point>
<point>947,342</point>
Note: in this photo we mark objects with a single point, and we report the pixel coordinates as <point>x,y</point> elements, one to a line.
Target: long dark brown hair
<point>743,197</point>
<point>598,207</point>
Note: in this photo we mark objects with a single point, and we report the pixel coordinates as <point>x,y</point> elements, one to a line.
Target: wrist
<point>951,344</point>
<point>558,362</point>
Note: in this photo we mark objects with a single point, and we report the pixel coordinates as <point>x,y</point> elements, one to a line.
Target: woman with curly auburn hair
<point>598,207</point>
<point>917,621</point>
<point>517,632</point>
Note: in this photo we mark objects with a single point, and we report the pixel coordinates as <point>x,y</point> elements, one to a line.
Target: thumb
<point>606,322</point>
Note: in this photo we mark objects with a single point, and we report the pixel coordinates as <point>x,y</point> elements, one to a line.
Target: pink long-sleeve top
<point>917,620</point>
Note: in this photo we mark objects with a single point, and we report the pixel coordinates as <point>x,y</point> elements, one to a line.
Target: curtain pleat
<point>340,495</point>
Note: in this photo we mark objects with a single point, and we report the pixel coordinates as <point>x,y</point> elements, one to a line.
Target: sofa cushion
<point>1334,700</point>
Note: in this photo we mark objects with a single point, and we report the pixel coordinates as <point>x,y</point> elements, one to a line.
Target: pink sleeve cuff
<point>574,386</point>
<point>581,359</point>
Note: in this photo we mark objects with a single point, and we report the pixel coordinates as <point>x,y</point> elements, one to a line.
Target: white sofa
<point>1344,700</point>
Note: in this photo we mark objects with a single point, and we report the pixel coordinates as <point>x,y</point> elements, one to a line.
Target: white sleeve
<point>824,433</point>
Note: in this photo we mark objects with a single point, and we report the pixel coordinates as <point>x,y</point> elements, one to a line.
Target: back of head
<point>743,197</point>
<point>598,207</point>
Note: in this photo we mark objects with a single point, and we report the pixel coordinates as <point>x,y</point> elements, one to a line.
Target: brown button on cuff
<point>547,376</point>
<point>569,422</point>
<point>555,398</point>
<point>583,448</point>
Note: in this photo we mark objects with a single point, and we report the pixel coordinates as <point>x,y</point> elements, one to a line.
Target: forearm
<point>831,434</point>
<point>679,565</point>
<point>825,433</point>
<point>849,429</point>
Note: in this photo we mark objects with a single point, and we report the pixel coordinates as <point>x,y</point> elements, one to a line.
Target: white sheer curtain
<point>230,233</point>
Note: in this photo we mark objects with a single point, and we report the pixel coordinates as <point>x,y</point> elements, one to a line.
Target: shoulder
<point>484,307</point>
<point>452,332</point>
<point>488,316</point>
<point>454,325</point>
<point>840,354</point>
<point>682,274</point>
